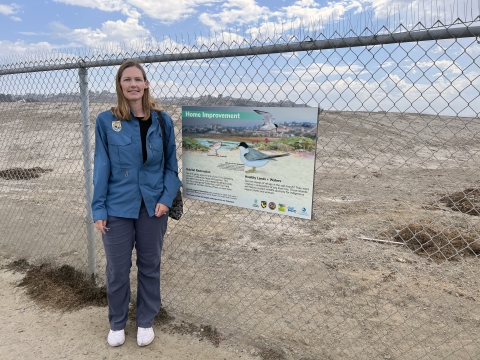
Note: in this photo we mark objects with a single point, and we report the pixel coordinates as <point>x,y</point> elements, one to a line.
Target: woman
<point>135,183</point>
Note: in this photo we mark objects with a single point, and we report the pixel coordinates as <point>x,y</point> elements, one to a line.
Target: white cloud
<point>386,64</point>
<point>315,70</point>
<point>314,15</point>
<point>223,39</point>
<point>472,46</point>
<point>237,12</point>
<point>427,12</point>
<point>22,47</point>
<point>165,11</point>
<point>10,10</point>
<point>301,13</point>
<point>104,5</point>
<point>444,65</point>
<point>170,11</point>
<point>124,30</point>
<point>121,6</point>
<point>311,11</point>
<point>111,32</point>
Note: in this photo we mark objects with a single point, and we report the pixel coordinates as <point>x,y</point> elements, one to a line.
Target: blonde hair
<point>122,110</point>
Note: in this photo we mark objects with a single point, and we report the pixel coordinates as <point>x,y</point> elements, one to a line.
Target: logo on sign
<point>282,207</point>
<point>304,211</point>
<point>263,204</point>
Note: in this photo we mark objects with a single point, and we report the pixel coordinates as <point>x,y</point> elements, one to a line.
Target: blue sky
<point>49,25</point>
<point>425,77</point>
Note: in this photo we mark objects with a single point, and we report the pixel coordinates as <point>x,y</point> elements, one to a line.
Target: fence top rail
<point>309,45</point>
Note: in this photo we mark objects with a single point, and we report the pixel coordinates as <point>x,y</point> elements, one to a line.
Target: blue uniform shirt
<point>120,177</point>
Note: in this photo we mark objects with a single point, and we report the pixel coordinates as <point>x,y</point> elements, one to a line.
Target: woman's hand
<point>161,209</point>
<point>101,225</point>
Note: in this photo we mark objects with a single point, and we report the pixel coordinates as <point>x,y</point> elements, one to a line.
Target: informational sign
<point>260,158</point>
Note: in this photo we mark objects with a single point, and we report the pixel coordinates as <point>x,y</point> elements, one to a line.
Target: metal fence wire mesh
<point>387,269</point>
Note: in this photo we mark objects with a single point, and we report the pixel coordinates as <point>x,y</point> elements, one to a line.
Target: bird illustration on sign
<point>268,124</point>
<point>254,158</point>
<point>215,146</point>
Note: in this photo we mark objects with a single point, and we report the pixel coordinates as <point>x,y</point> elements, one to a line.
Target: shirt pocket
<point>121,151</point>
<point>155,152</point>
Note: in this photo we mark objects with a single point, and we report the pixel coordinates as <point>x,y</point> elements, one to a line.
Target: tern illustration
<point>267,121</point>
<point>216,146</point>
<point>254,158</point>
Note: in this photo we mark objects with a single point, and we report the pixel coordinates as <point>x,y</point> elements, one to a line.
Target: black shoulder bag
<point>176,210</point>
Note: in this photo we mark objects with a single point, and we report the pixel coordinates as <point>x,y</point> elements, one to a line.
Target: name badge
<point>116,125</point>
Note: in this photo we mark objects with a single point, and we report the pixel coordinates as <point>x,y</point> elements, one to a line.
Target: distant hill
<point>208,100</point>
<point>104,96</point>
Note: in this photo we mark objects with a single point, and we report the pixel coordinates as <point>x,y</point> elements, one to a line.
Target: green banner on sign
<point>223,115</point>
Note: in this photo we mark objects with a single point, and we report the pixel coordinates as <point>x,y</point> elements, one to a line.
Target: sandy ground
<point>319,289</point>
<point>30,332</point>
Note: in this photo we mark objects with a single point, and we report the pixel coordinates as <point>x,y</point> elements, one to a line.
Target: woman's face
<point>132,83</point>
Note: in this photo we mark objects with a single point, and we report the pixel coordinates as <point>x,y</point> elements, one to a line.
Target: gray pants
<point>146,235</point>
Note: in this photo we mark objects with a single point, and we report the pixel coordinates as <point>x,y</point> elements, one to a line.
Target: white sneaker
<point>116,338</point>
<point>145,336</point>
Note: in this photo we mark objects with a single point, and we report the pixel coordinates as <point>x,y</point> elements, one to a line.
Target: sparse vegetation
<point>193,144</point>
<point>287,144</point>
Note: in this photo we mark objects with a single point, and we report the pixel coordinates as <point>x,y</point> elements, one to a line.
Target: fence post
<point>87,167</point>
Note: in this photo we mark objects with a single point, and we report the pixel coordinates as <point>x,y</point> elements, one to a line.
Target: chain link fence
<point>388,267</point>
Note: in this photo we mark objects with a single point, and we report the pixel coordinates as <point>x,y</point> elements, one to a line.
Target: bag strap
<point>164,136</point>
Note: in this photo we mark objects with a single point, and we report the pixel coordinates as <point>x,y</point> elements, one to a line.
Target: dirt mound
<point>66,289</point>
<point>203,332</point>
<point>21,265</point>
<point>165,320</point>
<point>439,244</point>
<point>62,288</point>
<point>466,201</point>
<point>22,174</point>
